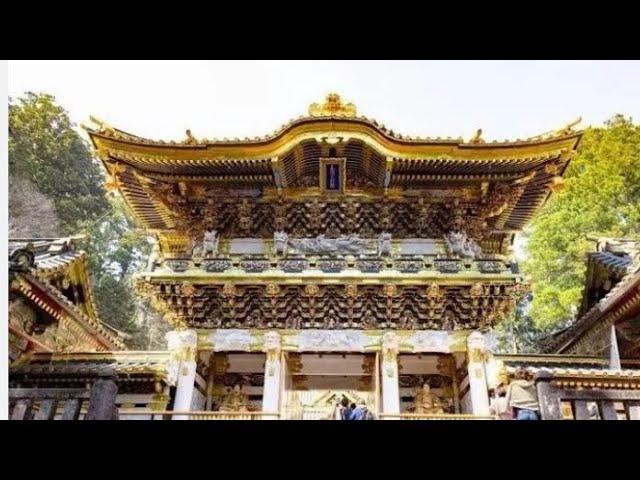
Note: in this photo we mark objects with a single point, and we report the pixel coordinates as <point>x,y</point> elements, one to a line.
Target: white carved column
<point>389,374</point>
<point>183,348</point>
<point>272,375</point>
<point>478,389</point>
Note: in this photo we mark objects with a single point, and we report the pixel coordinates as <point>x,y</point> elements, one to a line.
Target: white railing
<point>318,413</point>
<point>435,416</point>
<point>127,414</point>
<point>309,413</point>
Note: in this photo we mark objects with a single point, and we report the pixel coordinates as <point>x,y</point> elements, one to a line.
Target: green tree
<point>115,251</point>
<point>49,156</point>
<point>45,149</point>
<point>601,198</point>
<point>518,333</point>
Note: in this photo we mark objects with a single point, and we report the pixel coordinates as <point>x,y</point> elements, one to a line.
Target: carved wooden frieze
<point>331,265</point>
<point>293,265</point>
<point>448,266</point>
<point>487,266</point>
<point>370,266</point>
<point>319,306</point>
<point>402,217</point>
<point>216,265</point>
<point>255,266</point>
<point>408,265</point>
<point>178,265</point>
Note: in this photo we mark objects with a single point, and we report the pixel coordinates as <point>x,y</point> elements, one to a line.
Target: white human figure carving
<point>154,258</point>
<point>210,242</point>
<point>459,244</point>
<point>280,241</point>
<point>384,244</point>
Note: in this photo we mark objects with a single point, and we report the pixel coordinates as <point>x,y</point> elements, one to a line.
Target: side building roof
<point>611,297</point>
<point>51,274</point>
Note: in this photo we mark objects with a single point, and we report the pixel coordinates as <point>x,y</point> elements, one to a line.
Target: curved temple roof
<point>333,116</point>
<point>284,160</point>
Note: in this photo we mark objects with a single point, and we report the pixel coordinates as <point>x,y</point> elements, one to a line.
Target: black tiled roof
<point>613,261</point>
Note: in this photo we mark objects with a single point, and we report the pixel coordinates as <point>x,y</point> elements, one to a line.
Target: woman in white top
<point>499,405</point>
<point>337,412</point>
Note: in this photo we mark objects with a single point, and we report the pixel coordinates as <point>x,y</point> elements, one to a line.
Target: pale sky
<point>507,99</point>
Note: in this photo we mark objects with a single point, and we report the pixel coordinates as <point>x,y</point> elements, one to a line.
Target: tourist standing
<point>361,412</point>
<point>346,410</point>
<point>522,396</point>
<point>499,406</point>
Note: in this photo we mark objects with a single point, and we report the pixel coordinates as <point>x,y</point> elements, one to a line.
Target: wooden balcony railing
<point>47,403</point>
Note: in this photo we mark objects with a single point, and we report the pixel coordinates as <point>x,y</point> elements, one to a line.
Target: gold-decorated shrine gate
<point>333,257</point>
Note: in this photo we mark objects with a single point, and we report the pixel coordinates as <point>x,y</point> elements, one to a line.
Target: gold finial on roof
<point>332,107</point>
<point>477,138</point>
<point>190,140</point>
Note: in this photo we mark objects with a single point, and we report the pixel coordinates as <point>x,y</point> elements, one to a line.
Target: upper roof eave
<point>391,145</point>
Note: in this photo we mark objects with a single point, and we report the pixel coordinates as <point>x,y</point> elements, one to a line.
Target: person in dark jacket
<point>346,411</point>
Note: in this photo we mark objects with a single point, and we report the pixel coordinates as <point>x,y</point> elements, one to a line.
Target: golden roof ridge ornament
<point>332,107</point>
<point>103,127</point>
<point>568,128</point>
<point>191,139</point>
<point>561,132</point>
<point>477,138</point>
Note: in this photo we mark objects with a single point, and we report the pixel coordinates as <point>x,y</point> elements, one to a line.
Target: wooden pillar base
<point>102,402</point>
